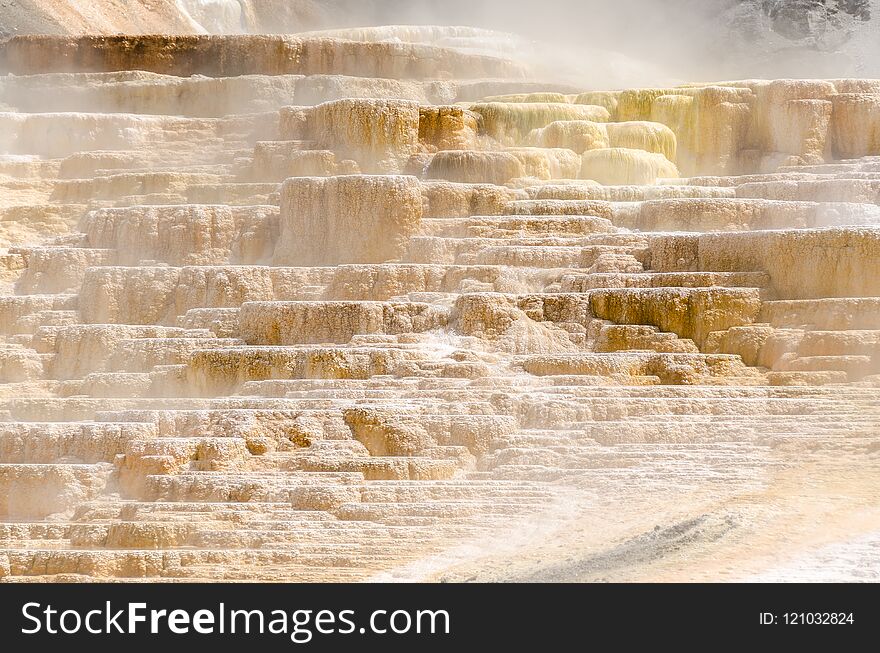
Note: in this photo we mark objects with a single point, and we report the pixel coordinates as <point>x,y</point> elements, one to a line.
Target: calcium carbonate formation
<point>375,304</point>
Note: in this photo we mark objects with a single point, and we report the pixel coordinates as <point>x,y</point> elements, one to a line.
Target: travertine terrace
<point>378,303</point>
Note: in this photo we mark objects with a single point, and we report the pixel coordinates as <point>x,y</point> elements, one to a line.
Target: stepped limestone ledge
<point>381,304</point>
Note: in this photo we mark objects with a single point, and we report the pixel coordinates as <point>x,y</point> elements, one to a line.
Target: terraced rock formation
<point>333,307</point>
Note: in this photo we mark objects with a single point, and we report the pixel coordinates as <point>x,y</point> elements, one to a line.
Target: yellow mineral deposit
<point>382,302</point>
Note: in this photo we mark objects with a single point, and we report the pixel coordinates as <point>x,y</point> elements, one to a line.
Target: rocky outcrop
<point>353,219</point>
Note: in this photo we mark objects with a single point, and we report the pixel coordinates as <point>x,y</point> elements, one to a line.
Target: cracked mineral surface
<point>382,304</point>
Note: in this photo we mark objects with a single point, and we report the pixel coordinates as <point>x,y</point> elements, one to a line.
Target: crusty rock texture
<point>350,219</point>
<point>378,304</point>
